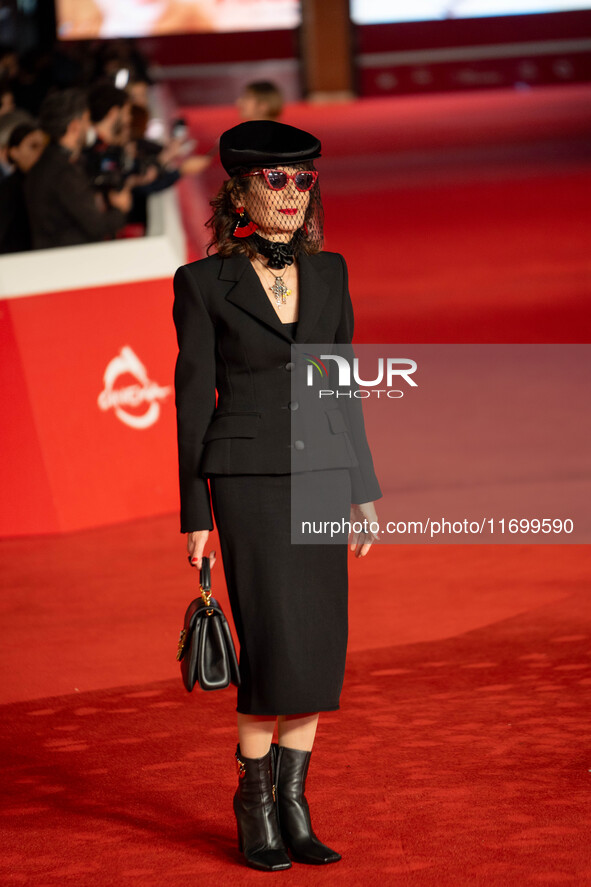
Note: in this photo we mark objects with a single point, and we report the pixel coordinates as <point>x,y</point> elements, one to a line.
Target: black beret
<point>266,143</point>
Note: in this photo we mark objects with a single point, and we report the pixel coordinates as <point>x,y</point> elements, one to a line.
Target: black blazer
<point>231,339</point>
<point>61,203</point>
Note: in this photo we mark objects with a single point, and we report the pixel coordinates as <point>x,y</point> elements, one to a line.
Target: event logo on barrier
<point>138,404</point>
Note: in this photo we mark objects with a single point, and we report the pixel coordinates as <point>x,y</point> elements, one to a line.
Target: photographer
<point>144,154</point>
<point>108,164</point>
<point>60,201</point>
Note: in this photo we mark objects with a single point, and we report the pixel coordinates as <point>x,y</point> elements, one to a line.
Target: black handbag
<point>206,649</point>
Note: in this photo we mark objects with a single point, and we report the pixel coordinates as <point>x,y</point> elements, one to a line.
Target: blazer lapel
<point>314,292</point>
<point>247,293</point>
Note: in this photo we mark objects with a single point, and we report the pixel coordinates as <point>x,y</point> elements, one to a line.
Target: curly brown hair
<point>224,219</point>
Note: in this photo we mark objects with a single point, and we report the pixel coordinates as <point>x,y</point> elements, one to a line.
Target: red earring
<point>243,227</point>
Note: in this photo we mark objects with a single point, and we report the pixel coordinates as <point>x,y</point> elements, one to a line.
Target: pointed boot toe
<point>269,860</point>
<point>313,853</point>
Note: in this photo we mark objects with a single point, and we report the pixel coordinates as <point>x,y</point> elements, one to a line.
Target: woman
<point>25,146</point>
<point>237,313</point>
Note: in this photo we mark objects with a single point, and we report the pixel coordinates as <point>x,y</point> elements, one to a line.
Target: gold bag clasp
<point>181,646</point>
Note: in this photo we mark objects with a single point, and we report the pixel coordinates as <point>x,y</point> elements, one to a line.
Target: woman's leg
<point>255,733</point>
<point>298,731</point>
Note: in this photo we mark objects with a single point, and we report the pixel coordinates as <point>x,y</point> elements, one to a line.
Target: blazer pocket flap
<point>233,425</point>
<point>336,421</point>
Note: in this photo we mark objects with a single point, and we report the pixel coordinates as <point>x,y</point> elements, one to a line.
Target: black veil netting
<point>253,214</point>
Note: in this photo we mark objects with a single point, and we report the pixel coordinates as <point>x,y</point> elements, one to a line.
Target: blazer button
<point>290,367</point>
<point>299,444</point>
<point>293,405</point>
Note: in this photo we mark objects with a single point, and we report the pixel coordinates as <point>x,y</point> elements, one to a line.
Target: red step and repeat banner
<point>88,423</point>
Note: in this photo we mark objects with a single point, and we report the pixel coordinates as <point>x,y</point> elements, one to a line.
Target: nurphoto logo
<point>389,371</point>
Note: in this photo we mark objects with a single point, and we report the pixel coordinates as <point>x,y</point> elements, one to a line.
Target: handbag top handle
<point>205,574</point>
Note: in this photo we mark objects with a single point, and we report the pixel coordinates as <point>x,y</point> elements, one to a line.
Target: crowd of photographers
<point>79,169</point>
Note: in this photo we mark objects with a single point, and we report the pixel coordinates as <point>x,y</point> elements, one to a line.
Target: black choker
<point>277,253</point>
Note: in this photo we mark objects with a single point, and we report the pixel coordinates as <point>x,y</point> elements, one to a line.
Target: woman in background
<point>25,146</point>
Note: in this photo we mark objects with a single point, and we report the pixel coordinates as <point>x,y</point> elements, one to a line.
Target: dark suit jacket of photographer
<point>231,339</point>
<point>61,203</point>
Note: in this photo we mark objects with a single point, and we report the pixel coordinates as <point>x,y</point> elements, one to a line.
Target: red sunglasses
<point>277,179</point>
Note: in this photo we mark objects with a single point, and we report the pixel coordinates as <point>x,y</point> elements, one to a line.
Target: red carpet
<point>461,761</point>
<point>460,756</point>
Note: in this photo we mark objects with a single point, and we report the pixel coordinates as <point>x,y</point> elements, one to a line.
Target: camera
<point>108,175</point>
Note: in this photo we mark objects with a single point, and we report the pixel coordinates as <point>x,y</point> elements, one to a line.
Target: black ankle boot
<point>259,837</point>
<point>292,808</point>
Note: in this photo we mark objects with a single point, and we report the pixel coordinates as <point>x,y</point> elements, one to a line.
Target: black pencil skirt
<point>289,601</point>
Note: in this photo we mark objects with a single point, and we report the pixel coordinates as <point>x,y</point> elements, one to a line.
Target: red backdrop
<point>69,461</point>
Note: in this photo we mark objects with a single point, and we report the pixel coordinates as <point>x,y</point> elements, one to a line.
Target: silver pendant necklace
<point>279,289</point>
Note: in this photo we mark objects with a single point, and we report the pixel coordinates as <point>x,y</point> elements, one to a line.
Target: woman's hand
<point>366,515</point>
<point>196,543</point>
<point>194,165</point>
